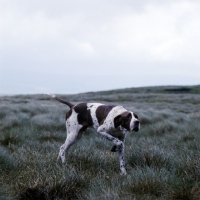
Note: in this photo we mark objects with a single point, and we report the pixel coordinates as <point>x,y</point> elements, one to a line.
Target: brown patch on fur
<point>84,117</point>
<point>102,112</point>
<point>68,114</point>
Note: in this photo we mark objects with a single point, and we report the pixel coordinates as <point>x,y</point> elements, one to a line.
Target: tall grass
<point>163,159</point>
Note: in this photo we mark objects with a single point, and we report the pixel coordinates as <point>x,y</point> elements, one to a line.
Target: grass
<point>163,159</point>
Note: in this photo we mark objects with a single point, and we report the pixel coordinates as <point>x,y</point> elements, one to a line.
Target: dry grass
<point>163,159</point>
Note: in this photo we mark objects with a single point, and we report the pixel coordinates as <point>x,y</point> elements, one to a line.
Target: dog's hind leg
<point>72,137</point>
<point>68,142</point>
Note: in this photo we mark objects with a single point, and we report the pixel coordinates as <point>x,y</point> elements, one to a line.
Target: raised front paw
<point>114,148</point>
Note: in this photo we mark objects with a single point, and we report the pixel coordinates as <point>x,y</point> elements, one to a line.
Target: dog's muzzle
<point>136,127</point>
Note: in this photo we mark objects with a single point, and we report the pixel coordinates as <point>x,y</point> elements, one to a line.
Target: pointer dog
<point>111,121</point>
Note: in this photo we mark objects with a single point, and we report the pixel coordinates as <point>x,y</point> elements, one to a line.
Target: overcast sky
<point>49,46</point>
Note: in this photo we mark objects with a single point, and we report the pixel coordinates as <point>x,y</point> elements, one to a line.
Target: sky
<point>68,47</point>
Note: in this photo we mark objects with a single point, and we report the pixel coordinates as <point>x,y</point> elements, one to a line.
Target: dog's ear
<point>126,119</point>
<point>117,121</point>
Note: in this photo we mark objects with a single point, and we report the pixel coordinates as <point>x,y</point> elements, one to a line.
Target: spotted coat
<point>112,122</point>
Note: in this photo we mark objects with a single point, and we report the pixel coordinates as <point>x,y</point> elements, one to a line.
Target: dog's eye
<point>128,117</point>
<point>135,116</point>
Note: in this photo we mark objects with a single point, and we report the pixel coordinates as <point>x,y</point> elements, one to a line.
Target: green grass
<point>162,160</point>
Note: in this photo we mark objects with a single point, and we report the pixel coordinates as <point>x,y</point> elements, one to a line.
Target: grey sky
<point>79,46</point>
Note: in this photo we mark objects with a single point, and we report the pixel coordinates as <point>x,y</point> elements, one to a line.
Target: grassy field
<point>163,159</point>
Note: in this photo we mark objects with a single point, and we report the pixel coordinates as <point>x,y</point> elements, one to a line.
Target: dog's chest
<point>118,133</point>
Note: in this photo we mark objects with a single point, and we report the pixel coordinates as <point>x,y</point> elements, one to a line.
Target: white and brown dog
<point>111,121</point>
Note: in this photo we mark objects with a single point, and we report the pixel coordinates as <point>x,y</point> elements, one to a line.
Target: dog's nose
<point>137,122</point>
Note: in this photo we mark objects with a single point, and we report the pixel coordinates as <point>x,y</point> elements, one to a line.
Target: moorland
<point>162,159</point>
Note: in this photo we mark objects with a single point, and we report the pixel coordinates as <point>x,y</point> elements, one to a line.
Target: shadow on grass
<point>70,188</point>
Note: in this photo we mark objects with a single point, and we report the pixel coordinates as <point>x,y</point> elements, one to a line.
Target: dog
<point>113,122</point>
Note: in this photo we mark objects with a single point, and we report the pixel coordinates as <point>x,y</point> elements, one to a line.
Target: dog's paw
<point>123,172</point>
<point>61,158</point>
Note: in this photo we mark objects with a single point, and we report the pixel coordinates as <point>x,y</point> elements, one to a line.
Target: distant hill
<point>139,90</point>
<point>155,89</point>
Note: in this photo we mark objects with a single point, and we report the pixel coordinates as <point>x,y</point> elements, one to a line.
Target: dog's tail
<point>61,100</point>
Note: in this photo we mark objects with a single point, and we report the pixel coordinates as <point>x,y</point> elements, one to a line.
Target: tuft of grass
<point>50,137</point>
<point>47,122</point>
<point>188,137</point>
<point>153,156</point>
<point>162,128</point>
<point>6,160</point>
<point>8,138</point>
<point>3,195</point>
<point>148,181</point>
<point>68,188</point>
<point>183,188</point>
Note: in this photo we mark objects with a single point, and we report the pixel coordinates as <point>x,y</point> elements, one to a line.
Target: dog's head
<point>128,120</point>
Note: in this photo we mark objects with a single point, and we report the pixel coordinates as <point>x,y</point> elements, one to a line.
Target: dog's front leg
<point>121,159</point>
<point>120,146</point>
